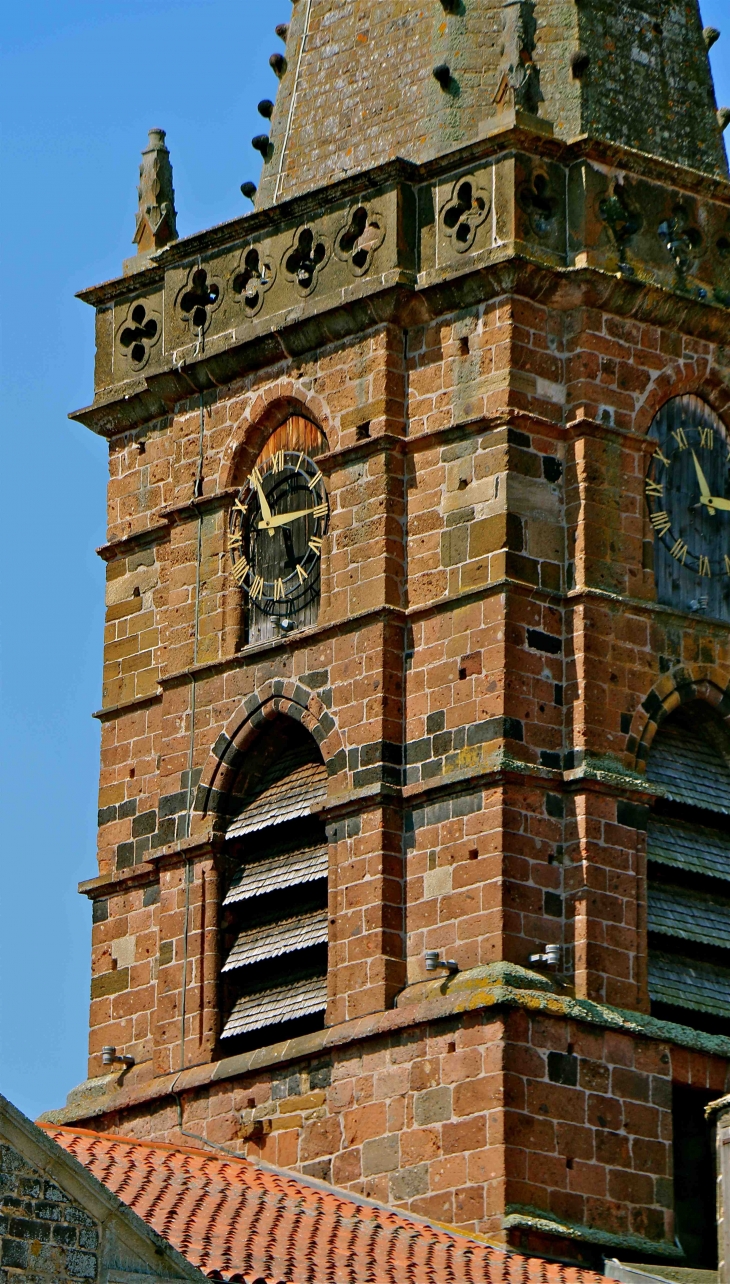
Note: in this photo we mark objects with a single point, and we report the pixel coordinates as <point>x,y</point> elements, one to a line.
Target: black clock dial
<point>276,531</point>
<point>688,495</point>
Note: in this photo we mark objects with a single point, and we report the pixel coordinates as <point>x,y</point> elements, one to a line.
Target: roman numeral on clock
<point>303,577</point>
<point>727,564</point>
<point>661,522</point>
<point>705,567</point>
<point>316,545</point>
<point>314,482</point>
<point>320,510</point>
<point>680,551</point>
<point>680,437</point>
<point>707,438</point>
<point>277,462</point>
<point>278,590</point>
<point>654,488</point>
<point>240,570</point>
<point>658,455</point>
<point>257,588</point>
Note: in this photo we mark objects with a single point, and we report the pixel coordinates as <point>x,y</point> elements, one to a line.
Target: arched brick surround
<point>264,413</point>
<point>280,697</point>
<point>684,378</point>
<point>684,683</point>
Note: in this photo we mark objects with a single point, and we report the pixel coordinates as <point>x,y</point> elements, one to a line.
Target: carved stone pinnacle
<point>156,217</point>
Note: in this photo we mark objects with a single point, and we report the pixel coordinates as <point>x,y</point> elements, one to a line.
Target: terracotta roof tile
<point>249,1223</point>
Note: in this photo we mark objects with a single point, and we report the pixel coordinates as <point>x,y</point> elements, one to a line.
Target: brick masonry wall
<point>487,632</point>
<point>466,1119</point>
<point>45,1238</point>
<point>516,527</point>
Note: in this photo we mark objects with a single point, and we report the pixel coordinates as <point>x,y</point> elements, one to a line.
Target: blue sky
<point>81,83</point>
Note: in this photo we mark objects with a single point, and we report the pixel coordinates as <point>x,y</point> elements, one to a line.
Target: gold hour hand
<point>283,519</point>
<point>704,488</point>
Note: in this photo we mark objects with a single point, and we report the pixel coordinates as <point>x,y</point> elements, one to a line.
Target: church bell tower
<point>413,866</point>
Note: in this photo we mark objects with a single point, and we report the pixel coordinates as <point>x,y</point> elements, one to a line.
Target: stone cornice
<point>483,989</point>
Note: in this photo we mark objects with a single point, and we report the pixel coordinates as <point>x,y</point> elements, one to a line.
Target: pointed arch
<point>262,415</point>
<point>280,697</point>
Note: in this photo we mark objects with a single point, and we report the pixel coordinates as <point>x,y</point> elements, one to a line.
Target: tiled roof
<point>239,1221</point>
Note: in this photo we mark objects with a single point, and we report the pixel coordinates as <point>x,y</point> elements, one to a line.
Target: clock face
<point>275,534</point>
<point>688,495</point>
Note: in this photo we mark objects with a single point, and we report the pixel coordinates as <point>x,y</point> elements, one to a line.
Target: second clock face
<point>688,495</point>
<point>276,531</point>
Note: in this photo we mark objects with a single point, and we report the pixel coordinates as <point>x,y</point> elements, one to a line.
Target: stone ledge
<point>480,989</point>
<point>520,1217</point>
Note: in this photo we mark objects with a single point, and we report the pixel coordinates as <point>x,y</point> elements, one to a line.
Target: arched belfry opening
<point>273,945</point>
<point>689,870</point>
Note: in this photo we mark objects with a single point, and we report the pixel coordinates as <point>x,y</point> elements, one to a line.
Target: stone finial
<point>520,83</point>
<point>156,217</point>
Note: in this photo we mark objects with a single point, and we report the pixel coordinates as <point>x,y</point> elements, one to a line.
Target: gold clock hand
<point>265,510</point>
<point>715,501</point>
<point>704,488</point>
<point>283,519</point>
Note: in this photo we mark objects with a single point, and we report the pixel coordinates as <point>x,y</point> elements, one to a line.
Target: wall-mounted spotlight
<point>249,190</point>
<point>277,62</point>
<point>434,962</point>
<point>551,957</point>
<point>261,144</point>
<point>265,108</point>
<point>442,74</point>
<point>710,35</point>
<point>282,31</point>
<point>110,1057</point>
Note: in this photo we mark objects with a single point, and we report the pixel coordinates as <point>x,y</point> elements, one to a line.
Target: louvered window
<point>689,871</point>
<point>274,927</point>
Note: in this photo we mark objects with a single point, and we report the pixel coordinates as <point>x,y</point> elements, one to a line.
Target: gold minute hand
<point>716,501</point>
<point>283,519</point>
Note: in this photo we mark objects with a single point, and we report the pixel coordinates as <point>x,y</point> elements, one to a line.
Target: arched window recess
<point>689,870</point>
<point>273,981</point>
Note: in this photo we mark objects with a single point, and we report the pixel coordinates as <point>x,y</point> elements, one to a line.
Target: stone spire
<point>156,218</point>
<point>364,82</point>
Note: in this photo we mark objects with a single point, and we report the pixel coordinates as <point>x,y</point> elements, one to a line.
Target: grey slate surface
<point>692,847</point>
<point>691,916</point>
<point>285,1003</point>
<point>687,762</point>
<point>287,797</point>
<point>274,873</point>
<point>275,939</point>
<point>689,983</point>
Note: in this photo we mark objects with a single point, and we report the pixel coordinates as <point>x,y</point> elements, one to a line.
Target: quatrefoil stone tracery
<point>466,211</point>
<point>254,278</point>
<point>139,334</point>
<point>358,240</point>
<point>199,300</point>
<point>304,260</point>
